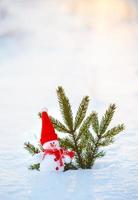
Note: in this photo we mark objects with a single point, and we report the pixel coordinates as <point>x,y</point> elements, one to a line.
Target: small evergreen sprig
<point>91,143</point>
<point>33,151</point>
<point>73,128</point>
<point>35,167</point>
<point>31,148</point>
<point>79,138</point>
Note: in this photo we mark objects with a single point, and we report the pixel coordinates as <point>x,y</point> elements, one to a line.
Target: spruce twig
<point>65,108</point>
<point>81,112</point>
<point>104,138</point>
<point>67,143</point>
<point>107,118</point>
<point>59,126</point>
<point>95,122</point>
<point>85,126</point>
<point>31,148</point>
<point>114,131</point>
<point>81,140</point>
<point>35,167</point>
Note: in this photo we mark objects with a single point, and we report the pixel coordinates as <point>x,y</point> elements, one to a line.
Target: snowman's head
<point>53,144</point>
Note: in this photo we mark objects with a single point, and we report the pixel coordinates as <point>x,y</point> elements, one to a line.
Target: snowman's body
<point>49,162</point>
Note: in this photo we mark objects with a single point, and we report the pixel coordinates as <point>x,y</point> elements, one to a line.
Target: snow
<point>44,44</point>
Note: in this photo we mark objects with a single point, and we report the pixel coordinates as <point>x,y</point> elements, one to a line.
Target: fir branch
<point>77,150</point>
<point>31,148</point>
<point>69,166</point>
<point>107,119</point>
<point>81,112</point>
<point>66,143</point>
<point>100,154</point>
<point>105,142</point>
<point>65,108</point>
<point>85,144</point>
<point>35,167</point>
<point>88,159</point>
<point>114,131</point>
<point>95,122</point>
<point>86,138</point>
<point>94,151</point>
<point>86,147</point>
<point>58,125</point>
<point>85,126</point>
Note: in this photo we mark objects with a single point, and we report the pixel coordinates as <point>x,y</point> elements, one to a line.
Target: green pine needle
<point>69,166</point>
<point>31,148</point>
<point>114,131</point>
<point>81,112</point>
<point>100,154</point>
<point>65,108</point>
<point>85,126</point>
<point>107,119</point>
<point>35,167</point>
<point>58,125</point>
<point>95,122</point>
<point>67,143</point>
<point>106,142</point>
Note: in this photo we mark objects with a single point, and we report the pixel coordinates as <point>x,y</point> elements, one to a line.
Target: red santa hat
<point>47,131</point>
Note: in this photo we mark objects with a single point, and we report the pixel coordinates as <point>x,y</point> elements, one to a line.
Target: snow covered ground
<point>88,49</point>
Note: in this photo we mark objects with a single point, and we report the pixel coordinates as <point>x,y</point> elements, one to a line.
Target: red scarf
<point>59,154</point>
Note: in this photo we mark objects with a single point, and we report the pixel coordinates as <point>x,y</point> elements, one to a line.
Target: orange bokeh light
<point>102,13</point>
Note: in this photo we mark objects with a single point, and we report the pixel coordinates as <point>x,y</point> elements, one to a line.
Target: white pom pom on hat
<point>44,109</point>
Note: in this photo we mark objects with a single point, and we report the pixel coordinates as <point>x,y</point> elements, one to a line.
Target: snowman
<point>53,156</point>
